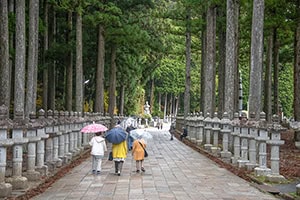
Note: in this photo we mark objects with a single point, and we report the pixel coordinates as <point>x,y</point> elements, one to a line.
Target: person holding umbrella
<point>98,148</point>
<point>119,153</point>
<point>138,152</point>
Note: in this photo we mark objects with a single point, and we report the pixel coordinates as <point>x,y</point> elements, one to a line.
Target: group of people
<point>119,152</point>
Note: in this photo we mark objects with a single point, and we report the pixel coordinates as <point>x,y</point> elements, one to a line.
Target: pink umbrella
<point>94,128</point>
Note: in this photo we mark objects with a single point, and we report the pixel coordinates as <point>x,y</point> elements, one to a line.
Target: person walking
<point>138,153</point>
<point>119,153</point>
<point>98,148</point>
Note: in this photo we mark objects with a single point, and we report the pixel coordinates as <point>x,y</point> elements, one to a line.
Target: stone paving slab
<point>173,171</point>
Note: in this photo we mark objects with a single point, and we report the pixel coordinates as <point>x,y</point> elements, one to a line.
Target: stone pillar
<point>68,154</point>
<point>298,189</point>
<point>275,143</point>
<point>193,128</point>
<point>215,131</point>
<point>225,131</point>
<point>56,159</point>
<point>17,180</point>
<point>207,131</point>
<point>236,138</point>
<point>31,174</point>
<point>5,188</point>
<point>244,143</point>
<point>253,134</point>
<point>188,125</point>
<point>262,169</point>
<point>201,129</point>
<point>85,139</point>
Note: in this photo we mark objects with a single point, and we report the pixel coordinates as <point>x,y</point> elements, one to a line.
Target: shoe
<point>143,170</point>
<point>119,173</point>
<point>98,172</point>
<point>137,171</point>
<point>93,171</point>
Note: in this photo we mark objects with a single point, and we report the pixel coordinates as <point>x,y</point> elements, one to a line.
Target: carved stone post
<point>244,142</point>
<point>225,131</point>
<point>207,130</point>
<point>215,131</point>
<point>275,143</point>
<point>236,138</point>
<point>5,123</point>
<point>253,134</point>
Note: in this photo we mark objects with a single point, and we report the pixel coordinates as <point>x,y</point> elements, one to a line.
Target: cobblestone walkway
<point>173,171</point>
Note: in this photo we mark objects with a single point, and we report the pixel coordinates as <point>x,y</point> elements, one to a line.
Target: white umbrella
<point>140,134</point>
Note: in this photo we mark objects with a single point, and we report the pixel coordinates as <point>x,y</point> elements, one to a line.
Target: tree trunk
<point>99,101</point>
<point>122,97</point>
<point>297,69</point>
<point>221,67</point>
<point>152,95</point>
<point>46,66</point>
<point>202,70</point>
<point>255,94</point>
<point>210,64</point>
<point>79,70</point>
<point>268,80</point>
<point>187,64</point>
<point>276,72</point>
<point>112,81</point>
<point>231,55</point>
<point>159,101</point>
<point>69,66</point>
<point>52,67</point>
<point>4,55</point>
<point>19,93</point>
<point>165,106</point>
<point>32,58</point>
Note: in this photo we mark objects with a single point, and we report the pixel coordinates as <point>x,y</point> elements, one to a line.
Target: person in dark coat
<point>184,134</point>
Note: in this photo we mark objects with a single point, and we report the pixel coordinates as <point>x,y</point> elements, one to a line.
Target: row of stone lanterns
<point>244,141</point>
<point>45,142</point>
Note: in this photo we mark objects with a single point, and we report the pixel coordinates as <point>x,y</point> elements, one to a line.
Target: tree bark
<point>297,69</point>
<point>210,64</point>
<point>231,55</point>
<point>268,80</point>
<point>99,101</point>
<point>122,97</point>
<point>255,93</point>
<point>4,55</point>
<point>45,49</point>
<point>202,70</point>
<point>276,72</point>
<point>187,64</point>
<point>30,105</point>
<point>19,93</point>
<point>69,68</point>
<point>112,81</point>
<point>79,70</point>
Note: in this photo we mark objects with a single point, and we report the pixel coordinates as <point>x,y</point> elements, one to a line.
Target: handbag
<point>110,156</point>
<point>145,152</point>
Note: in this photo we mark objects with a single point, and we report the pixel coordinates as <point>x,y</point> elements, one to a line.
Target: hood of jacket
<point>99,139</point>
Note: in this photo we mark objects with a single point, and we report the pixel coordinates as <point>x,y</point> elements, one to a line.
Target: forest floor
<point>289,166</point>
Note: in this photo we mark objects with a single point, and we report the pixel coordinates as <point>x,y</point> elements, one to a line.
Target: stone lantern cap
<point>200,116</point>
<point>5,122</point>
<point>295,125</point>
<point>207,119</point>
<point>35,123</point>
<point>225,120</point>
<point>243,120</point>
<point>236,120</point>
<point>252,122</point>
<point>263,124</point>
<point>216,121</point>
<point>276,126</point>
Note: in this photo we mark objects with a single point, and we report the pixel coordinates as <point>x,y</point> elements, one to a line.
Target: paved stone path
<point>173,171</point>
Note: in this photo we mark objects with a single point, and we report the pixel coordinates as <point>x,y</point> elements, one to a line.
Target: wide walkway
<point>173,171</point>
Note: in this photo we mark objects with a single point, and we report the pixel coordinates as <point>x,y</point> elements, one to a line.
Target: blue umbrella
<point>116,135</point>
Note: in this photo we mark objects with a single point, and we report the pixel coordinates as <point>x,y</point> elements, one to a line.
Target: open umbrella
<point>94,128</point>
<point>140,133</point>
<point>116,135</point>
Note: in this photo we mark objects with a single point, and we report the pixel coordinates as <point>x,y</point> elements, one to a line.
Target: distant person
<point>119,153</point>
<point>98,148</point>
<point>129,138</point>
<point>139,154</point>
<point>172,130</point>
<point>184,134</point>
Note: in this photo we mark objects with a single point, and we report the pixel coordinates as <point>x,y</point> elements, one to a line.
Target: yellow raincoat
<point>137,149</point>
<point>119,150</point>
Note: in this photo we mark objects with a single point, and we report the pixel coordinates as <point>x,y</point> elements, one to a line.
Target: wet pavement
<point>173,171</point>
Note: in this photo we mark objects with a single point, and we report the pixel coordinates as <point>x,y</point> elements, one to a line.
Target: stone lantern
<point>262,169</point>
<point>235,123</point>
<point>193,128</point>
<point>201,128</point>
<point>5,124</point>
<point>253,134</point>
<point>207,131</point>
<point>244,141</point>
<point>275,129</point>
<point>215,131</point>
<point>225,131</point>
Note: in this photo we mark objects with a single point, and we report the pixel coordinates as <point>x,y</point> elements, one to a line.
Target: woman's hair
<point>98,133</point>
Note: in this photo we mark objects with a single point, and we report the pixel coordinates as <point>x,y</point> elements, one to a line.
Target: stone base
<point>262,171</point>
<point>32,175</point>
<point>275,178</point>
<point>188,137</point>
<point>242,163</point>
<point>198,142</point>
<point>5,189</point>
<point>251,166</point>
<point>298,189</point>
<point>234,160</point>
<point>42,170</point>
<point>193,140</point>
<point>215,150</point>
<point>58,162</point>
<point>225,154</point>
<point>207,146</point>
<point>297,144</point>
<point>18,182</point>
